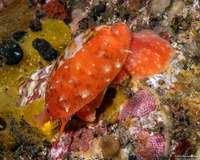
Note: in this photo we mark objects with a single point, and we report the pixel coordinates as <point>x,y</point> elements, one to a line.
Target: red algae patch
<point>150,147</point>
<point>56,8</point>
<point>75,140</point>
<point>141,104</point>
<point>72,140</point>
<point>150,54</point>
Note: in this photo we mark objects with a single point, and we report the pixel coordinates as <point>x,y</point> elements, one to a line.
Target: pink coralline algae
<point>141,104</point>
<point>81,140</point>
<point>77,139</point>
<point>72,140</point>
<point>149,147</point>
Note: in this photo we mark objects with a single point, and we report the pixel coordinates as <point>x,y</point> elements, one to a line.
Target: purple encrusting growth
<point>75,139</point>
<point>141,104</point>
<point>149,147</point>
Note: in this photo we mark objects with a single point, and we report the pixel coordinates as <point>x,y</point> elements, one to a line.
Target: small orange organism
<point>80,79</point>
